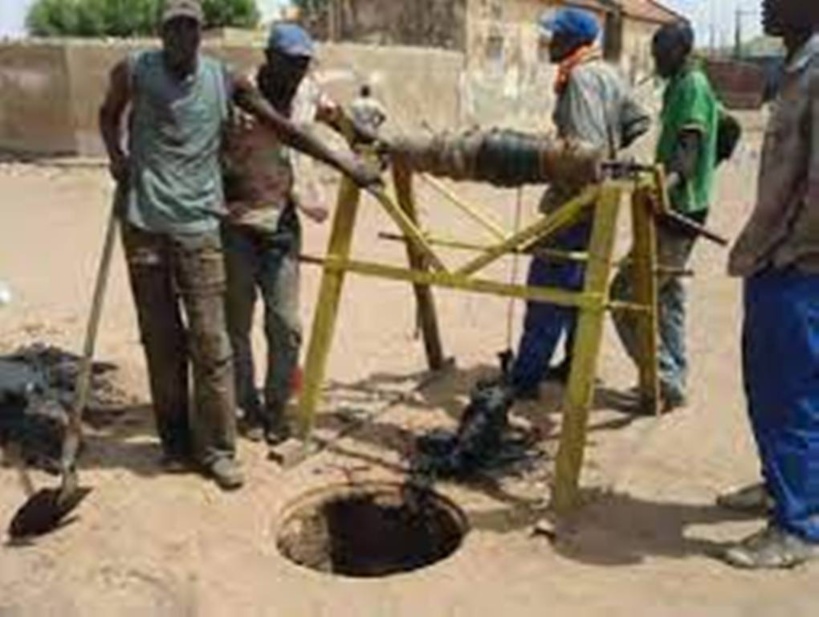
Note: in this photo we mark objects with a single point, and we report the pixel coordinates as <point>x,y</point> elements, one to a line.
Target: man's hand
<point>120,168</point>
<point>317,214</point>
<point>364,174</point>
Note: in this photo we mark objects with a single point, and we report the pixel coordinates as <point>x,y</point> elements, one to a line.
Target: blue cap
<point>291,40</point>
<point>577,24</point>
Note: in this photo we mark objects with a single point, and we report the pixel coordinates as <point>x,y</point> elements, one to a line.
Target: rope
<point>513,275</point>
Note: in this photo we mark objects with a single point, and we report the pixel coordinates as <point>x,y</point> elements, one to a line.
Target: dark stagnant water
<point>371,531</point>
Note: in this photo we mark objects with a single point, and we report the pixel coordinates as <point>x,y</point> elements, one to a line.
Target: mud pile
<point>37,387</point>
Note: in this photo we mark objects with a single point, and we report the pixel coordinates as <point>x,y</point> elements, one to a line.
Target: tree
<point>234,13</point>
<point>315,16</point>
<point>126,18</point>
<point>311,8</point>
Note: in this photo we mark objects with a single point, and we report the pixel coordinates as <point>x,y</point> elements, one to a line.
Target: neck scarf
<point>564,69</point>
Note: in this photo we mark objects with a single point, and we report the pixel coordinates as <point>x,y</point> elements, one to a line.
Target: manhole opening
<point>371,531</point>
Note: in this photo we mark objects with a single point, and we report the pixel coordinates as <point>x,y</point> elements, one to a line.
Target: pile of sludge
<point>37,388</point>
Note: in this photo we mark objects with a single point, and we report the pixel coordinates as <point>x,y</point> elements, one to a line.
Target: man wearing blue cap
<point>267,185</point>
<point>178,106</point>
<point>594,105</point>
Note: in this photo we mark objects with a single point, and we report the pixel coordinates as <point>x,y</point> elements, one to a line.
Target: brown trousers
<point>170,273</point>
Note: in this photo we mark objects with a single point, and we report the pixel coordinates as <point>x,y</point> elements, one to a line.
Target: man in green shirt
<point>688,149</point>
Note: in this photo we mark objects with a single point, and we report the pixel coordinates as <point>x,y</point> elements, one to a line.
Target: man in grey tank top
<point>178,101</point>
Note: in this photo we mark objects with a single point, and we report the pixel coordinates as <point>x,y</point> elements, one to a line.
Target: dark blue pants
<point>266,264</point>
<point>544,324</point>
<point>781,366</point>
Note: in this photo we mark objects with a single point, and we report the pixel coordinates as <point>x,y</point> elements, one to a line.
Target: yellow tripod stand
<point>426,269</point>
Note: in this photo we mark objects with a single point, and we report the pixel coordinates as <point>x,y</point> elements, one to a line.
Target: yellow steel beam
<point>460,245</point>
<point>324,321</point>
<point>629,307</point>
<point>645,285</point>
<point>463,283</point>
<point>580,389</point>
<point>408,227</point>
<point>473,212</point>
<point>427,315</point>
<point>548,225</point>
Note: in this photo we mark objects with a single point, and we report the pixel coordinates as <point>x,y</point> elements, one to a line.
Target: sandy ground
<point>148,544</point>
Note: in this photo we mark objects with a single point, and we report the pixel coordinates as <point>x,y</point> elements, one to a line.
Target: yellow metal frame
<point>427,269</point>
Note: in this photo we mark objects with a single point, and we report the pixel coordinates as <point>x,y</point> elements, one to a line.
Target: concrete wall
<point>50,92</point>
<point>425,23</point>
<point>35,95</point>
<point>637,61</point>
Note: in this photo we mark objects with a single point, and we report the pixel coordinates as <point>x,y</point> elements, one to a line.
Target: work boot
<point>251,429</point>
<point>559,373</point>
<point>227,473</point>
<point>276,425</point>
<point>173,464</point>
<point>754,500</point>
<point>176,459</point>
<point>770,549</point>
<point>671,399</point>
<point>277,433</point>
<point>527,395</point>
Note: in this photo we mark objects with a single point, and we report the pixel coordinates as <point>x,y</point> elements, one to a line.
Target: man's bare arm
<point>337,118</point>
<point>683,165</point>
<point>111,115</point>
<point>248,98</point>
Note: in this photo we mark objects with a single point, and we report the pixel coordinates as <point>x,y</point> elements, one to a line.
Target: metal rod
<point>548,225</point>
<point>476,214</point>
<point>425,303</point>
<point>409,229</point>
<point>586,352</point>
<point>456,281</point>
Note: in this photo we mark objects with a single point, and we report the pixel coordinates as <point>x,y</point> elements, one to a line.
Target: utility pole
<point>333,17</point>
<point>738,40</point>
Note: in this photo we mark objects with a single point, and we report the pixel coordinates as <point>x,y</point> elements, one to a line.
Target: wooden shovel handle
<point>73,435</point>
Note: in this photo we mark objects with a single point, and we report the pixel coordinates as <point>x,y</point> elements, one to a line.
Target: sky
<point>13,12</point>
<point>722,14</point>
<point>703,13</point>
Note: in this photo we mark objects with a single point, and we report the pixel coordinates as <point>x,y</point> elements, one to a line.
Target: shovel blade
<point>44,512</point>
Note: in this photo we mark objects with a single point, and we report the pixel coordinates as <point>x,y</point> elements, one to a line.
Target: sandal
<point>772,548</point>
<point>754,500</point>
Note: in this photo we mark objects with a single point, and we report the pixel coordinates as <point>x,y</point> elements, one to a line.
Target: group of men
<point>596,106</point>
<point>210,220</point>
<point>777,254</point>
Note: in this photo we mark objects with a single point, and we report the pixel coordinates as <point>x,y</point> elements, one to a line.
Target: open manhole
<point>370,530</point>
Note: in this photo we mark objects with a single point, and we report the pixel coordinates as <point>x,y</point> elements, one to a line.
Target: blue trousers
<point>781,368</point>
<point>544,324</point>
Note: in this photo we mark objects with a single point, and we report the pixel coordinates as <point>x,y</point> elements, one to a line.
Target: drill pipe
<point>500,157</point>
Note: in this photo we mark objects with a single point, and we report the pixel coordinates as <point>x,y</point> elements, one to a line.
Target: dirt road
<point>148,544</point>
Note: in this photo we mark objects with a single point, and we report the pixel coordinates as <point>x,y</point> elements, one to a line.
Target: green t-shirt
<point>689,103</point>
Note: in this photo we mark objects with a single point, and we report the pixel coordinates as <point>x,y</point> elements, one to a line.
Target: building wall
<point>637,61</point>
<point>50,92</point>
<point>424,23</point>
<point>34,99</point>
<point>507,82</point>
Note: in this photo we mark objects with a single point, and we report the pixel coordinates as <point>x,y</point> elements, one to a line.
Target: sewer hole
<point>369,531</point>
